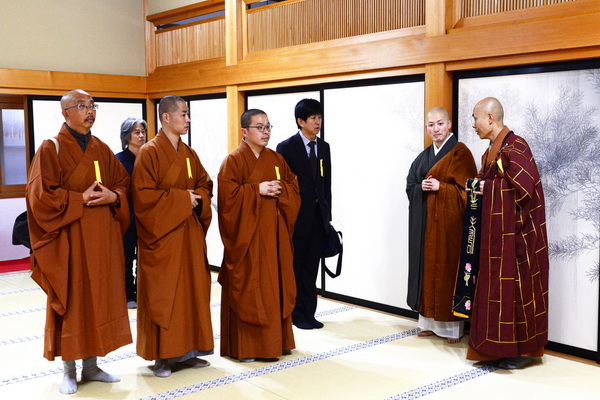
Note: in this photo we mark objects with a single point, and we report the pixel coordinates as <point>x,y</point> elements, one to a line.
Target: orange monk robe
<point>173,271</point>
<point>443,233</point>
<point>77,250</point>
<point>257,274</point>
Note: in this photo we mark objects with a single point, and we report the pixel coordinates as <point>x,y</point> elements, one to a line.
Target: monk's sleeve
<point>413,182</point>
<point>50,208</point>
<point>238,208</point>
<point>289,199</point>
<point>288,204</point>
<point>120,184</point>
<point>521,173</point>
<point>204,187</point>
<point>158,210</point>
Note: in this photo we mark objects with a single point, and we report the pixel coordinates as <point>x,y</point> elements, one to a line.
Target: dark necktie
<point>312,157</point>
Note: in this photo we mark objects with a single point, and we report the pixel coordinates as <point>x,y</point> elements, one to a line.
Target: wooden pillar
<point>438,87</point>
<point>235,31</point>
<point>151,118</point>
<point>236,105</point>
<point>235,34</point>
<point>150,41</point>
<point>439,17</point>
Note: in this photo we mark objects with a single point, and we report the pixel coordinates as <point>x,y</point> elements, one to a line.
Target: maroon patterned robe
<point>510,306</point>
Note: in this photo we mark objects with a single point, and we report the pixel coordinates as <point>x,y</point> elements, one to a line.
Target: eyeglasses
<point>261,128</point>
<point>82,107</point>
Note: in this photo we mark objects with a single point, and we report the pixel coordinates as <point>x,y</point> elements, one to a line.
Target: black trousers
<point>307,256</point>
<point>129,246</point>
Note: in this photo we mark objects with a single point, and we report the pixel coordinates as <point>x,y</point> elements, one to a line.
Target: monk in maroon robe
<point>171,195</point>
<point>77,212</point>
<point>509,320</point>
<point>258,203</point>
<point>436,190</point>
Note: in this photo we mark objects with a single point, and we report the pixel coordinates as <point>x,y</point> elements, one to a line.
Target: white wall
<point>103,37</point>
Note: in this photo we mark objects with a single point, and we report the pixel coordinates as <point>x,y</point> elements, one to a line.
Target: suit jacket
<point>312,189</point>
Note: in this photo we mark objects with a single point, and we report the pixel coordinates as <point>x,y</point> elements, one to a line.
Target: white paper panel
<point>375,133</point>
<point>209,139</point>
<point>47,120</point>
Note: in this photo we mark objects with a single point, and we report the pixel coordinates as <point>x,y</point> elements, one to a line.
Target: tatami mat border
<point>444,383</point>
<point>115,357</point>
<point>173,394</point>
<point>35,289</point>
<point>12,274</point>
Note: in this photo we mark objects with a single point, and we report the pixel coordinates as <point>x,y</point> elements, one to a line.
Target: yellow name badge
<point>189,167</point>
<point>499,162</point>
<point>97,168</point>
<point>321,167</point>
<point>277,172</point>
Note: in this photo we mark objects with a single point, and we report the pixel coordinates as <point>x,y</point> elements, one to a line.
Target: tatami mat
<point>360,354</point>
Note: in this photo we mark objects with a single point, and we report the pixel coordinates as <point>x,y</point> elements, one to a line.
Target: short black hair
<point>246,119</point>
<point>168,104</point>
<point>307,107</point>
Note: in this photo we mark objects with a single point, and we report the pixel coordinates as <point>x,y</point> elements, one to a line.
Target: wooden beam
<point>393,50</point>
<point>236,105</point>
<point>58,83</point>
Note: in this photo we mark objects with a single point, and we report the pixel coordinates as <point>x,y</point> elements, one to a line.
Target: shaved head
<point>71,98</point>
<point>488,118</point>
<point>491,105</point>
<point>439,110</point>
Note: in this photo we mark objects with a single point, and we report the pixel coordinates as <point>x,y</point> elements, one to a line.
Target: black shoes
<point>313,324</point>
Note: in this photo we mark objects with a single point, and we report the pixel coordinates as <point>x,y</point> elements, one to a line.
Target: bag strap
<point>338,269</point>
<point>55,140</point>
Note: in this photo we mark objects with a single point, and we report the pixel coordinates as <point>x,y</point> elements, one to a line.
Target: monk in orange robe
<point>77,211</point>
<point>258,202</point>
<point>509,318</point>
<point>171,196</point>
<point>436,190</point>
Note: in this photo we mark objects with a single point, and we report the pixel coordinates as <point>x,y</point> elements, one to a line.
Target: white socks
<point>69,383</point>
<point>90,372</point>
<point>162,368</point>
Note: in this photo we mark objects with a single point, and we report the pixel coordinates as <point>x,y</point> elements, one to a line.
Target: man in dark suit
<point>309,159</point>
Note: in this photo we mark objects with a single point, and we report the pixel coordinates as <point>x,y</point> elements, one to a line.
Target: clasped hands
<point>269,188</point>
<point>430,184</point>
<point>98,194</point>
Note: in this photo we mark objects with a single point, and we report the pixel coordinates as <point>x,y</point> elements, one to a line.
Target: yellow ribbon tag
<point>97,168</point>
<point>321,167</point>
<point>189,167</point>
<point>277,172</point>
<point>499,162</point>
